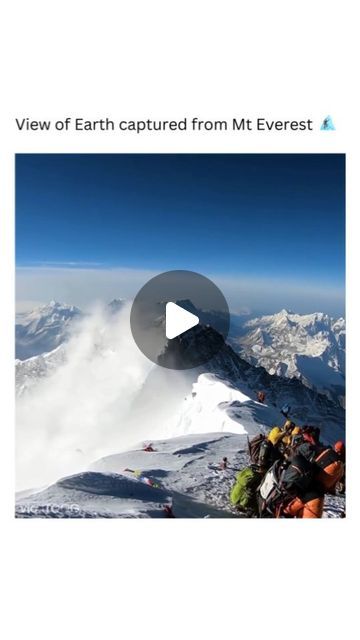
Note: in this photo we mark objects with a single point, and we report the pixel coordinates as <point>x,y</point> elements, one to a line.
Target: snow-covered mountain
<point>116,305</point>
<point>30,371</point>
<point>44,328</point>
<point>50,325</point>
<point>96,396</point>
<point>307,405</point>
<point>308,347</point>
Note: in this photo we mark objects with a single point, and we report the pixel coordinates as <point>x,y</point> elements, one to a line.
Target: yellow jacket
<point>276,434</point>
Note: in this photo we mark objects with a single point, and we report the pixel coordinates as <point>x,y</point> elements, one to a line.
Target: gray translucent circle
<point>192,292</point>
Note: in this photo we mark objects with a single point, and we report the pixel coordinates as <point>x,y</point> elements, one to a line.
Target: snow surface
<point>215,404</point>
<point>185,474</point>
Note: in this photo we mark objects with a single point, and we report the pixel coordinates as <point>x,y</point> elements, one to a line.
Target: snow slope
<point>30,371</point>
<point>215,404</point>
<point>183,473</point>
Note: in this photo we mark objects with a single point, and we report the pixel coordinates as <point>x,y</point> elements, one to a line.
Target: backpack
<point>268,454</point>
<point>326,457</point>
<point>330,469</point>
<point>271,496</point>
<point>243,492</point>
<point>254,447</point>
<point>299,475</point>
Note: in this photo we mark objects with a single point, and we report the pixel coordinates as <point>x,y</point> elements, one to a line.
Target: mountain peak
<point>283,317</point>
<point>116,304</point>
<point>188,305</point>
<point>54,305</point>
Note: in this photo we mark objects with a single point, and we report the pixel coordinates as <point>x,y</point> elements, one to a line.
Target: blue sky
<point>278,217</point>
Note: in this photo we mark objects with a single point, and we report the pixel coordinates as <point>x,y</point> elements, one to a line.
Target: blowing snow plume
<point>79,411</point>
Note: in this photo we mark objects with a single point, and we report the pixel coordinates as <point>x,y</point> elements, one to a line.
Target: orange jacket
<point>310,506</point>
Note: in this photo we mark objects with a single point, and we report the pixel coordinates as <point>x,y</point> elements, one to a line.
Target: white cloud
<point>94,404</point>
<point>77,414</point>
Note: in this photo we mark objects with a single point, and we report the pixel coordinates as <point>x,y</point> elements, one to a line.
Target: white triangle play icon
<point>178,320</point>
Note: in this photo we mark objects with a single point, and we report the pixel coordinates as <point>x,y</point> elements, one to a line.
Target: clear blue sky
<point>258,215</point>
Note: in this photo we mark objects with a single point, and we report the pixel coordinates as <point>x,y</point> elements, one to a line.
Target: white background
<point>162,59</point>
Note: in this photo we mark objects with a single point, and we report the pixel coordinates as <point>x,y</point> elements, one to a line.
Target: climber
<point>307,442</point>
<point>329,466</point>
<point>269,449</point>
<point>149,448</point>
<point>289,431</point>
<point>285,410</point>
<point>289,425</point>
<point>261,397</point>
<point>168,511</point>
<point>224,463</point>
<point>282,438</point>
<point>290,489</point>
<point>339,448</point>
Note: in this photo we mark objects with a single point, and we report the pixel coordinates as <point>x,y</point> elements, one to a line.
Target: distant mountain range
<point>270,354</point>
<point>48,326</point>
<point>44,328</point>
<point>310,348</point>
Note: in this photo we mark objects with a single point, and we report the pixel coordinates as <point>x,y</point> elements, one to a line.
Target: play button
<point>180,319</point>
